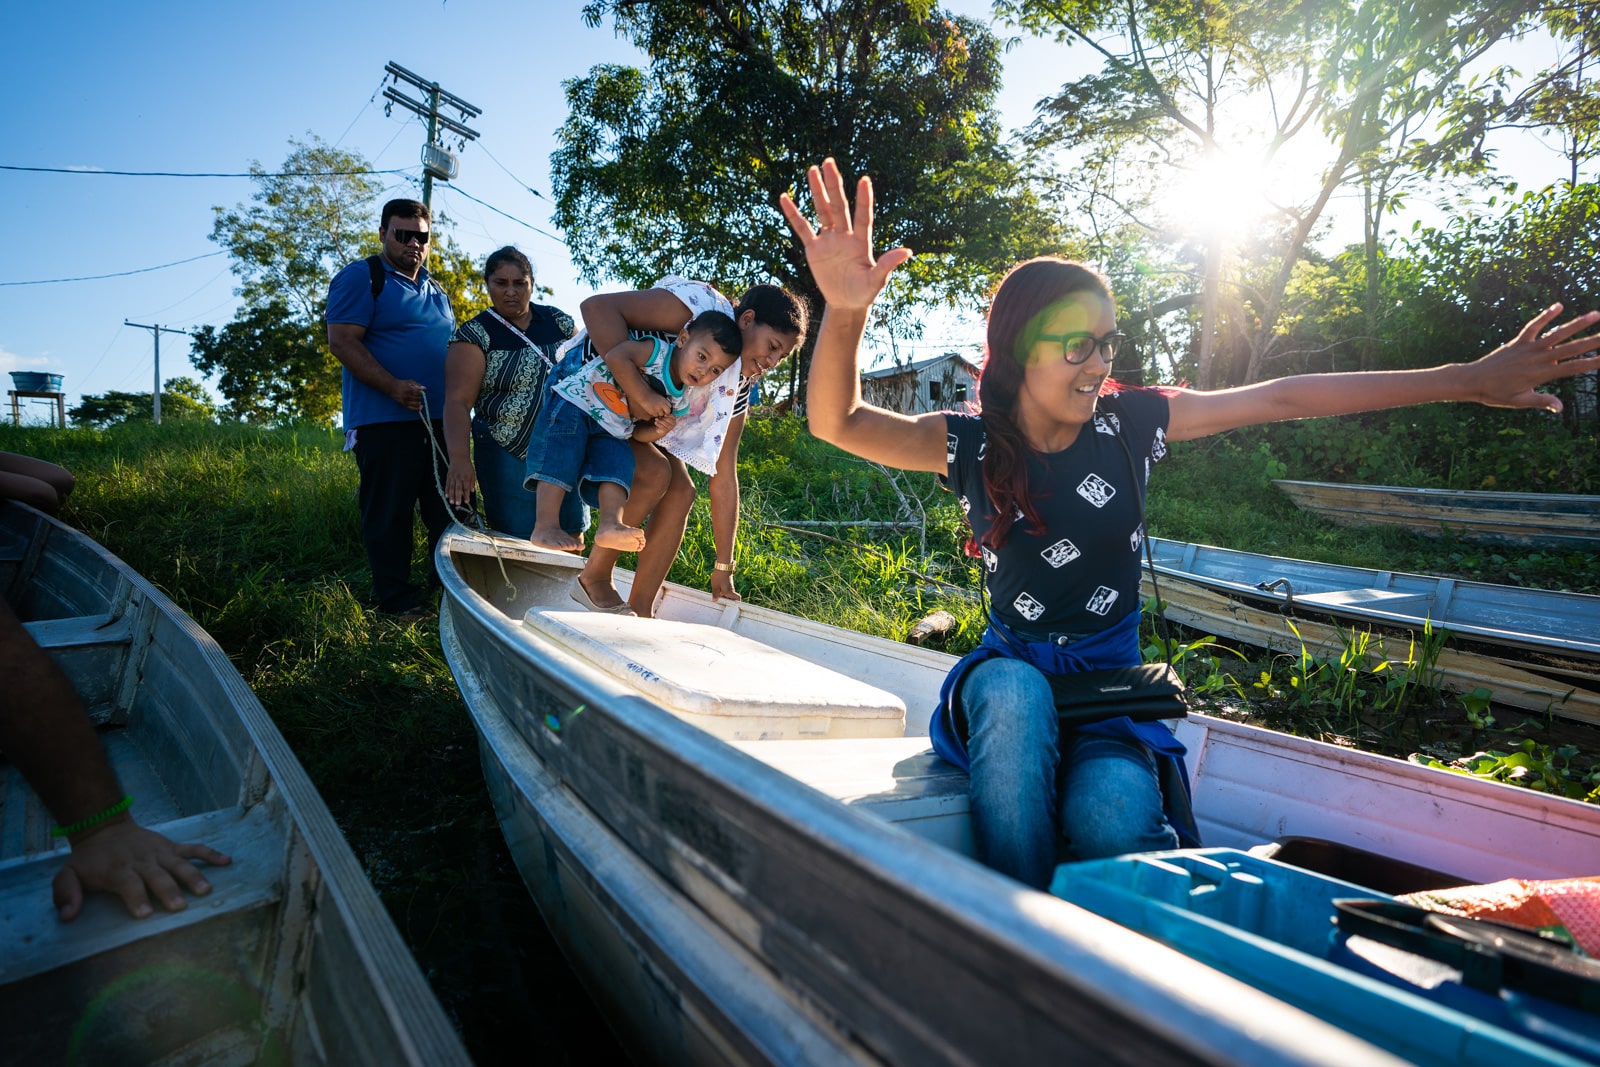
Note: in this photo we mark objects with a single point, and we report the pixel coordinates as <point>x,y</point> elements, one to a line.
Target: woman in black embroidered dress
<point>494,377</point>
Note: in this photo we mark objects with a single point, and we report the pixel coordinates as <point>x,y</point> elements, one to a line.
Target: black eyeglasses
<point>405,237</point>
<point>1078,346</point>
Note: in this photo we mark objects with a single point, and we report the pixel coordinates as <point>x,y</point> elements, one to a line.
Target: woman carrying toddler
<point>637,391</point>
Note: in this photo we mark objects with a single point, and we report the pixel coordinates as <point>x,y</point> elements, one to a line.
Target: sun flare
<point>1223,194</point>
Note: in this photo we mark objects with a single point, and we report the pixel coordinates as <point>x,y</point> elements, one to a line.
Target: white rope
<point>479,530</point>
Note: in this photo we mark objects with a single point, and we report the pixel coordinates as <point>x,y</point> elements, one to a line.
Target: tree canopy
<point>677,168</point>
<point>307,219</point>
<point>181,398</point>
<point>272,366</point>
<point>1372,79</point>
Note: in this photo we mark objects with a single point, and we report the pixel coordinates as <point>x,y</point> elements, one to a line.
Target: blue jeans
<point>1103,794</point>
<point>569,449</point>
<point>508,506</point>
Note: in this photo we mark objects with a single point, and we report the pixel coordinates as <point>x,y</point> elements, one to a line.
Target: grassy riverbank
<point>253,532</point>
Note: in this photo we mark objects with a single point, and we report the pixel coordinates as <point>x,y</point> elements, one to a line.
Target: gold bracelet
<point>728,568</point>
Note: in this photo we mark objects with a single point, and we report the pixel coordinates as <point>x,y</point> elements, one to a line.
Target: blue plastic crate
<point>1271,925</point>
<point>30,381</point>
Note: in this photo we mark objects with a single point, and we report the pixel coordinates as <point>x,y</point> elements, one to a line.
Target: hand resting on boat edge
<point>46,734</point>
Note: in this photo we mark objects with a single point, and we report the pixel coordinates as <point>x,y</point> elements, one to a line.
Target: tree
<point>1494,273</point>
<point>181,398</point>
<point>271,365</point>
<point>1361,71</point>
<point>308,219</point>
<point>1561,100</point>
<point>677,168</point>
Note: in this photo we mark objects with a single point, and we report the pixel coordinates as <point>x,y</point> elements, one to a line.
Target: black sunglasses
<point>1078,346</point>
<point>405,237</point>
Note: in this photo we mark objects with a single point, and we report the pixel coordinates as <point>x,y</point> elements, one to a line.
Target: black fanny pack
<point>1145,693</point>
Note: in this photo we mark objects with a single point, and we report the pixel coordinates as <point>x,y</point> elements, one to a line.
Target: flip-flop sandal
<point>581,595</point>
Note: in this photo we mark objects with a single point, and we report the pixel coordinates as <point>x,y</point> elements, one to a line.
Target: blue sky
<point>181,86</point>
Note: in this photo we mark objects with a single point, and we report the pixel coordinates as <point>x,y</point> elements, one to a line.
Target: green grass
<point>253,532</point>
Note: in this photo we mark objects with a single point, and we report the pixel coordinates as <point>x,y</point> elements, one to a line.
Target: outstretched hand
<point>136,864</point>
<point>839,248</point>
<point>1509,376</point>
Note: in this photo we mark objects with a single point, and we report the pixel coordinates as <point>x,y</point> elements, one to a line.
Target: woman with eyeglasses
<point>1051,476</point>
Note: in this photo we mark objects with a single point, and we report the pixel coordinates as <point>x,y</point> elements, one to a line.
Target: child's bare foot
<point>557,540</point>
<point>619,537</point>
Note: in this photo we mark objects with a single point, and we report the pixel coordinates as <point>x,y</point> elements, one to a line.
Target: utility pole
<point>155,394</point>
<point>437,161</point>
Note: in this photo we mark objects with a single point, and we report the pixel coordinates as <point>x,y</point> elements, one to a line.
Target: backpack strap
<point>379,275</point>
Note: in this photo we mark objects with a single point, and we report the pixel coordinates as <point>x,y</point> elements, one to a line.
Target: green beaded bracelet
<point>94,820</point>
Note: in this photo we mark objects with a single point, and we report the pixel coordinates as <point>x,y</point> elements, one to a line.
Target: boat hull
<point>1541,520</point>
<point>828,931</point>
<point>290,959</point>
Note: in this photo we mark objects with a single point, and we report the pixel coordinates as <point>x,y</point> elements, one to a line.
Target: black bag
<point>1144,693</point>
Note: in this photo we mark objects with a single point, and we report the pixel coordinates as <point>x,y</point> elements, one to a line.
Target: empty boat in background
<point>1536,649</point>
<point>1541,520</point>
<point>291,959</point>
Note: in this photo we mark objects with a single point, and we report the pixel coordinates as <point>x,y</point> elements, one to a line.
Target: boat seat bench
<point>723,682</point>
<point>36,940</point>
<point>896,779</point>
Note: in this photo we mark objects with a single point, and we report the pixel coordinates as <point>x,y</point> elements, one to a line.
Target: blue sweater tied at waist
<point>1116,646</point>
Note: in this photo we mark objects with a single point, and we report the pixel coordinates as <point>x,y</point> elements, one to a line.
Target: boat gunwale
<point>1460,494</point>
<point>1069,952</point>
<point>414,1016</point>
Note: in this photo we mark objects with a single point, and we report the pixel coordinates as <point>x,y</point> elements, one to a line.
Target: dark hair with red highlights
<point>1015,320</point>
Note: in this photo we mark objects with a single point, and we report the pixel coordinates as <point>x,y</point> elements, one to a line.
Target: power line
<point>513,177</point>
<point>457,189</point>
<point>195,174</point>
<point>203,287</point>
<point>102,358</point>
<point>370,100</point>
<point>119,274</point>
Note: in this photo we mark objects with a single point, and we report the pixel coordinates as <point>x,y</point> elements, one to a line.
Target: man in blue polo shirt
<point>389,325</point>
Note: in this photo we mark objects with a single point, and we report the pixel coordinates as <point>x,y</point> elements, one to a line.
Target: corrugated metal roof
<point>895,370</point>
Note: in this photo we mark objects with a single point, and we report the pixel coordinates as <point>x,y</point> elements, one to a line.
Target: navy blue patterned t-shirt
<point>1081,573</point>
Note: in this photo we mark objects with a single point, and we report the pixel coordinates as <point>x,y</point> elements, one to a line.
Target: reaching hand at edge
<point>136,864</point>
<point>1509,376</point>
<point>839,248</point>
<point>722,586</point>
